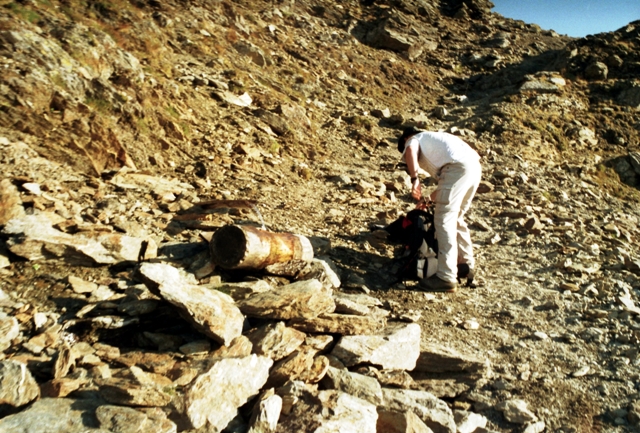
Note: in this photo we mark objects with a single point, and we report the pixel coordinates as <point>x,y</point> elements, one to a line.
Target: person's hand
<point>416,189</point>
<point>424,203</point>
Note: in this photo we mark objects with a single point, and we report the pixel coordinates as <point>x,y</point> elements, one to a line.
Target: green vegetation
<point>274,148</point>
<point>172,111</point>
<point>186,129</point>
<point>59,81</point>
<point>143,126</point>
<point>24,13</point>
<point>99,104</point>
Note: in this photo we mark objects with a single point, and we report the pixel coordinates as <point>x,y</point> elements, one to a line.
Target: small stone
<point>581,372</point>
<point>540,335</point>
<point>470,325</point>
<point>81,286</point>
<point>516,411</point>
<point>536,427</point>
<point>468,422</point>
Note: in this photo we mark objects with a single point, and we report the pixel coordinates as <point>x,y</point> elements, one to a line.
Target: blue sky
<point>576,18</point>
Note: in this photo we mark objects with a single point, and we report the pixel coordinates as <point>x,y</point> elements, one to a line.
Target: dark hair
<point>408,132</point>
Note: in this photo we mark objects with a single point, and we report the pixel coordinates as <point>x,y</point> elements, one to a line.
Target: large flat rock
<point>215,396</point>
<point>54,415</point>
<point>395,347</point>
<point>303,299</point>
<point>213,313</point>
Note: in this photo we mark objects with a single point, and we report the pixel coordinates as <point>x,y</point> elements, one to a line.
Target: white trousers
<point>457,186</point>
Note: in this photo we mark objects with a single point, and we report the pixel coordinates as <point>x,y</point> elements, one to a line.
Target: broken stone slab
<point>9,329</point>
<point>300,365</point>
<point>34,238</point>
<point>396,347</point>
<point>395,379</point>
<point>538,86</point>
<point>55,415</point>
<point>434,412</point>
<point>289,269</point>
<point>60,388</point>
<point>302,299</point>
<point>536,427</point>
<point>277,124</point>
<point>516,411</point>
<point>266,413</point>
<point>319,342</point>
<point>10,202</point>
<point>243,100</point>
<point>400,422</point>
<point>126,392</point>
<point>296,117</point>
<point>240,347</point>
<point>64,361</point>
<point>242,290</point>
<point>142,377</point>
<point>322,269</point>
<point>339,324</point>
<point>198,347</point>
<point>357,385</point>
<point>437,358</point>
<point>80,286</point>
<point>359,298</point>
<point>215,396</point>
<point>345,305</point>
<point>328,411</point>
<point>154,362</point>
<point>17,385</point>
<point>211,312</point>
<point>254,53</point>
<point>469,422</point>
<point>276,340</point>
<point>118,419</point>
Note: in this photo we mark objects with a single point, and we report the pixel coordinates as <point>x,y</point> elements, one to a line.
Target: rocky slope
<point>132,131</point>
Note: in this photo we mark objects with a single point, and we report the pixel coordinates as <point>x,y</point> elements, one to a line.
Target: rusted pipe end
<point>228,246</point>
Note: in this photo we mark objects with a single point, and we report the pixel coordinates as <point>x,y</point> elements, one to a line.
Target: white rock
<point>17,385</point>
<point>216,395</point>
<point>536,427</point>
<point>516,411</point>
<point>357,385</point>
<point>434,412</point>
<point>396,347</point>
<point>51,415</point>
<point>266,415</point>
<point>468,422</point>
<point>400,422</point>
<point>9,329</point>
<point>328,411</point>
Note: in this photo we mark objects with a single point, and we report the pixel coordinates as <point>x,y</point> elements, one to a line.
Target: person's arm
<point>411,158</point>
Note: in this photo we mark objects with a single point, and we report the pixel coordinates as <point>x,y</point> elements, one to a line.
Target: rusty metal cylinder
<point>247,247</point>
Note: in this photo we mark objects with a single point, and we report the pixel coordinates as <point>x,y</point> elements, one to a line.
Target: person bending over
<point>456,167</point>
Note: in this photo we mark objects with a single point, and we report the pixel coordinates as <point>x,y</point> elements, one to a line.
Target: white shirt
<point>438,149</point>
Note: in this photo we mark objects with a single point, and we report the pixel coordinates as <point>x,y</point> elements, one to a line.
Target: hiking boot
<point>470,276</point>
<point>435,284</point>
<point>464,271</point>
